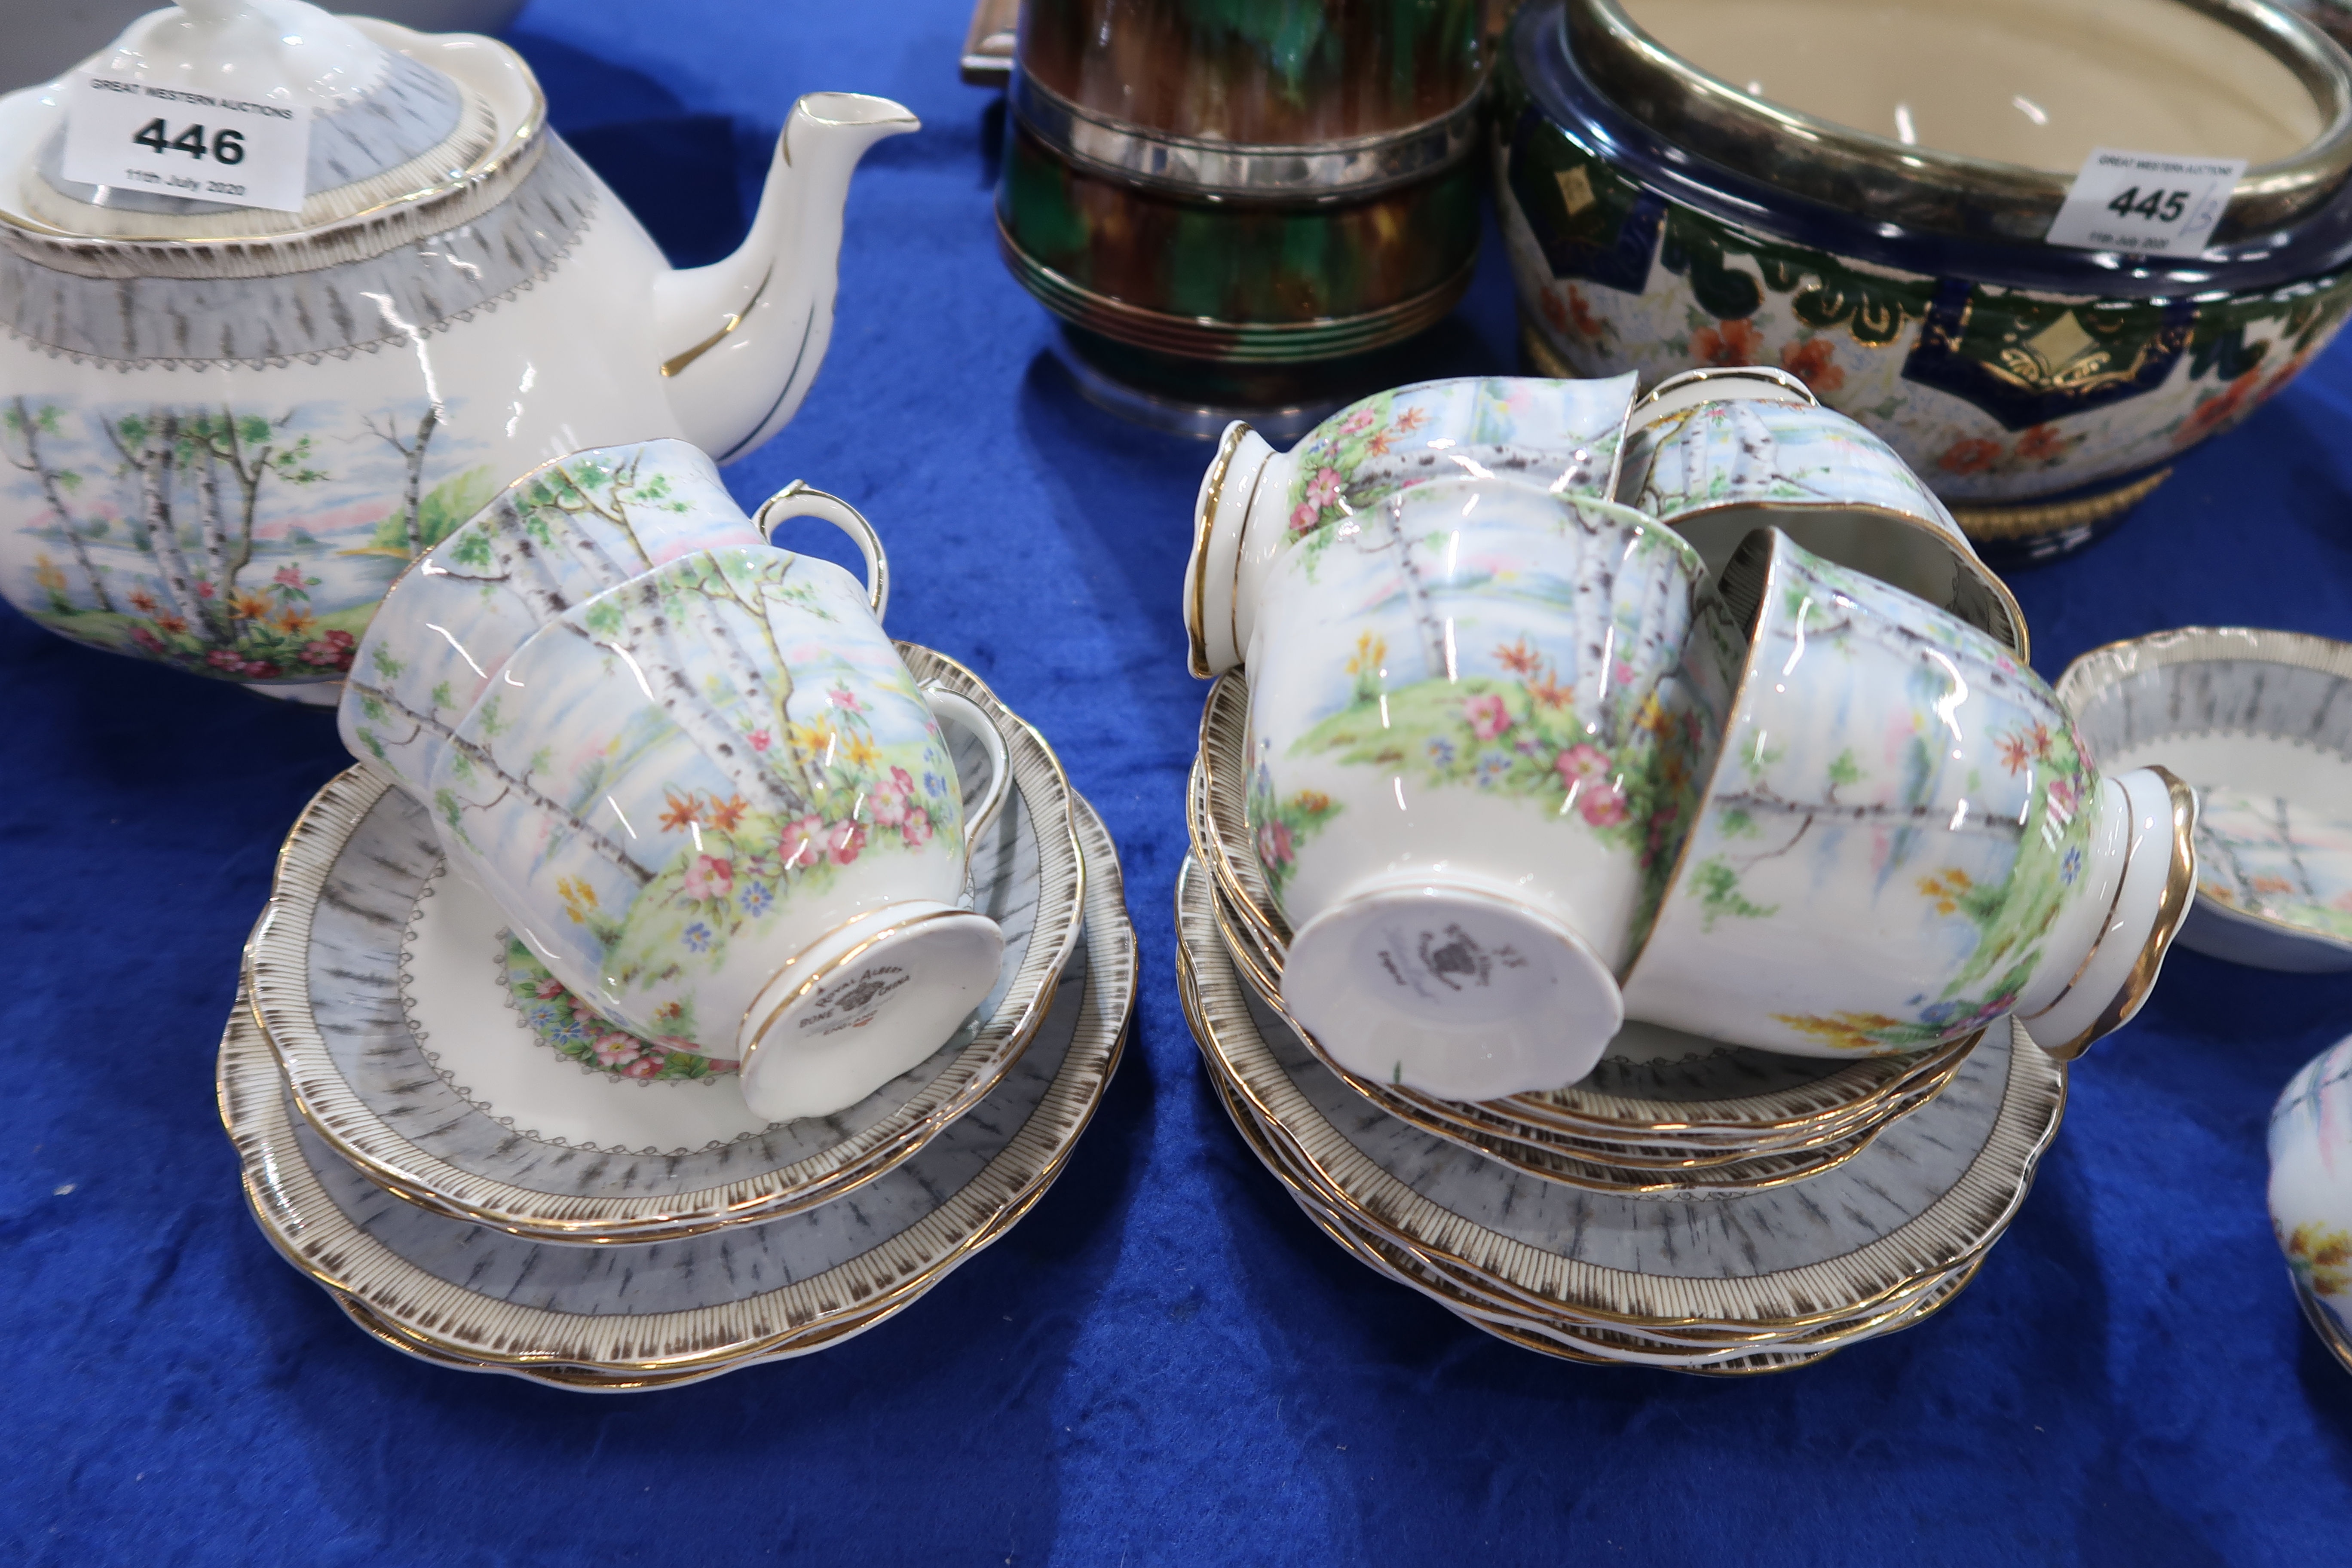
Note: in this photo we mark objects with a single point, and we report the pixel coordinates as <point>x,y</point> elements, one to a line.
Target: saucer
<point>638,1313</point>
<point>1707,1353</point>
<point>1659,1097</point>
<point>1572,1162</point>
<point>427,1048</point>
<point>2260,723</point>
<point>1925,1200</point>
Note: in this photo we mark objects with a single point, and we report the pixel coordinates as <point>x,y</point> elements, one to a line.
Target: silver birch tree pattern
<point>2267,855</point>
<point>238,541</point>
<point>1540,665</point>
<point>1559,435</point>
<point>1859,784</point>
<point>716,739</point>
<point>558,537</point>
<point>1742,450</point>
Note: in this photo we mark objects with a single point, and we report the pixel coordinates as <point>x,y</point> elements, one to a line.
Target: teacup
<point>559,535</point>
<point>715,805</point>
<point>1903,838</point>
<point>1472,762</point>
<point>1717,453</point>
<point>2311,1190</point>
<point>1558,436</point>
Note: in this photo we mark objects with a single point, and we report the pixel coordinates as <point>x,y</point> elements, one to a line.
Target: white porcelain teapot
<point>228,427</point>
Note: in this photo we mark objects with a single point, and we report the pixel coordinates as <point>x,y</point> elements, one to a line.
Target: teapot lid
<point>385,126</point>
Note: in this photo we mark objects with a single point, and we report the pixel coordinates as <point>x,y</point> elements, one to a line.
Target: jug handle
<point>801,500</point>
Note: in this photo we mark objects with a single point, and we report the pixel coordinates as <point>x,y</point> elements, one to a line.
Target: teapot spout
<point>744,337</point>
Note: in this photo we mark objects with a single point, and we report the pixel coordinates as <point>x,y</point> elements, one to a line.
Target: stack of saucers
<point>433,1130</point>
<point>1690,1204</point>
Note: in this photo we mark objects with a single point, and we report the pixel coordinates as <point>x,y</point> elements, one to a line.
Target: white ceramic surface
<point>2033,82</point>
<point>560,534</point>
<point>1903,839</point>
<point>1254,503</point>
<point>670,1310</point>
<point>1717,453</point>
<point>714,803</point>
<point>2260,722</point>
<point>429,1046</point>
<point>1472,762</point>
<point>2311,1190</point>
<point>1928,1197</point>
<point>306,402</point>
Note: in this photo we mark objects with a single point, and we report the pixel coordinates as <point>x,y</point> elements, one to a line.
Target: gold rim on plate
<point>1954,1227</point>
<point>1570,1163</point>
<point>304,1222</point>
<point>278,971</point>
<point>1747,1352</point>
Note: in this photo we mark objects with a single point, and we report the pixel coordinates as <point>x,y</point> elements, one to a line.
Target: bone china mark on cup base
<point>1465,794</point>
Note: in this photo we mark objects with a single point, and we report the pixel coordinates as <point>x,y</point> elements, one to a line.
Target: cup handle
<point>800,499</point>
<point>970,715</point>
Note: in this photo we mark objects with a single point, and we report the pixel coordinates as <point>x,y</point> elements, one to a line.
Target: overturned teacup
<point>1903,838</point>
<point>1562,437</point>
<point>1718,453</point>
<point>1472,762</point>
<point>555,538</point>
<point>715,805</point>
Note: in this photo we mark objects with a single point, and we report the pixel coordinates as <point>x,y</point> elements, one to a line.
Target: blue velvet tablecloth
<point>1163,1363</point>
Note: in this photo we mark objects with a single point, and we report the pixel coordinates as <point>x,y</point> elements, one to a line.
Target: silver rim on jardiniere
<point>2196,690</point>
<point>1020,1138</point>
<point>1701,1105</point>
<point>1930,1194</point>
<point>377,1094</point>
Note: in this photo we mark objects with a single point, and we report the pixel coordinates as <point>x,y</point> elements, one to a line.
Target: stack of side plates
<point>428,1132</point>
<point>1691,1205</point>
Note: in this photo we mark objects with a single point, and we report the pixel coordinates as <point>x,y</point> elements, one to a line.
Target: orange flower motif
<point>1519,658</point>
<point>2220,411</point>
<point>1727,343</point>
<point>248,605</point>
<point>1812,363</point>
<point>681,813</point>
<point>172,623</point>
<point>1947,888</point>
<point>1972,455</point>
<point>2014,752</point>
<point>1410,420</point>
<point>1548,692</point>
<point>2269,884</point>
<point>725,816</point>
<point>2041,444</point>
<point>143,601</point>
<point>293,620</point>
